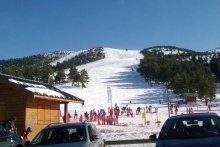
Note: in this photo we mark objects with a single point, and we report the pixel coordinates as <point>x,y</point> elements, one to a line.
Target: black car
<point>190,130</point>
<point>8,139</point>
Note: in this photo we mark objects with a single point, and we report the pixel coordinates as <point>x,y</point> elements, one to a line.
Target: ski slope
<point>119,72</point>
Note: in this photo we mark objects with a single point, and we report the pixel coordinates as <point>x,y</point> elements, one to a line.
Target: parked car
<point>78,134</point>
<point>190,130</point>
<point>8,139</point>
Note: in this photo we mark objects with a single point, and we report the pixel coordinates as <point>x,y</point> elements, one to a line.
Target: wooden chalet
<point>190,97</point>
<point>34,104</point>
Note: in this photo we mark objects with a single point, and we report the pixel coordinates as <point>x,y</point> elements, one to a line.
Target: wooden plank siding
<point>2,112</point>
<point>40,113</point>
<point>27,110</point>
<point>14,104</point>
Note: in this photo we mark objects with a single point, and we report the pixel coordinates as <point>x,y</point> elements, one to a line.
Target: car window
<point>191,127</point>
<point>3,131</point>
<point>60,135</point>
<point>93,131</point>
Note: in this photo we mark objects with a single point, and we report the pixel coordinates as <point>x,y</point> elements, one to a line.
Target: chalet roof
<point>38,89</point>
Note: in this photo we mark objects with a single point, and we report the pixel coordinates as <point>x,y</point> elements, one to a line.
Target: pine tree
<point>84,77</point>
<point>74,75</point>
<point>46,71</point>
<point>60,77</point>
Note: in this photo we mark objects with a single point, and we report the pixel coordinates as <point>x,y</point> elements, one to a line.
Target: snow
<point>26,84</point>
<point>69,56</point>
<point>43,91</point>
<point>38,88</point>
<point>118,71</point>
<point>167,51</point>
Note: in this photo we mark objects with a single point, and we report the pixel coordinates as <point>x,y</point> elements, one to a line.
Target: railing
<point>126,142</point>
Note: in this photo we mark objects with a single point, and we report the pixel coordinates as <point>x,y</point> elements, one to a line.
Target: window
<point>60,135</point>
<point>43,113</point>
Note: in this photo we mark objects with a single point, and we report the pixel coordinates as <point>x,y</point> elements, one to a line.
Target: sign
<point>109,93</point>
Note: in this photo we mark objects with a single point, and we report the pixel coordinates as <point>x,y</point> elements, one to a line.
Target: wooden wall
<point>191,99</point>
<point>12,103</point>
<point>40,113</point>
<point>34,113</point>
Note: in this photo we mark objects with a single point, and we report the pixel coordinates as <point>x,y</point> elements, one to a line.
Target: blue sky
<point>29,27</point>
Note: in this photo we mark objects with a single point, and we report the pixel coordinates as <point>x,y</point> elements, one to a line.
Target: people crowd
<point>111,116</point>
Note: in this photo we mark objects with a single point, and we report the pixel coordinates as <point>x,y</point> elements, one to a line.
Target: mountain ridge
<point>159,47</point>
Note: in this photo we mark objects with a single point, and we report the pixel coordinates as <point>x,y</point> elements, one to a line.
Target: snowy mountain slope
<point>117,71</point>
<point>168,51</point>
<point>216,50</point>
<point>67,57</point>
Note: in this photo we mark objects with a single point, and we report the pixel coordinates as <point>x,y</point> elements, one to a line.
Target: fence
<point>148,142</point>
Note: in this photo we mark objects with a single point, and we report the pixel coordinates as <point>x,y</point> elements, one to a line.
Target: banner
<point>109,93</point>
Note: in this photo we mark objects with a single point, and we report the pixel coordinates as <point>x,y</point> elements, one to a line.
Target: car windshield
<point>60,135</point>
<point>191,127</point>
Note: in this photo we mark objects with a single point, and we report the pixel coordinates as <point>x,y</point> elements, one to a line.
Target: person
<point>67,119</point>
<point>75,114</point>
<point>81,118</point>
<point>150,108</point>
<point>26,133</point>
<point>86,115</point>
<point>10,125</point>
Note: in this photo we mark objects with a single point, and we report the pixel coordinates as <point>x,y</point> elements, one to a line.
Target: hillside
<point>117,71</point>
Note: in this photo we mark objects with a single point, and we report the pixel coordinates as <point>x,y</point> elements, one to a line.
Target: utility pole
<point>168,99</point>
<point>168,104</point>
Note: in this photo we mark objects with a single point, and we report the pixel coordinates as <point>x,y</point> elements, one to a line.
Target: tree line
<point>38,67</point>
<point>183,73</point>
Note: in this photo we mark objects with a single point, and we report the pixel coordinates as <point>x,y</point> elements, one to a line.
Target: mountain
<point>118,71</point>
<point>177,50</point>
<point>60,56</point>
<point>182,53</point>
<point>168,50</point>
<point>127,87</point>
<point>215,51</point>
<point>43,67</point>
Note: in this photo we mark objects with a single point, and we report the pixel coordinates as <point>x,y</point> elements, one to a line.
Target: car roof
<point>192,115</point>
<point>60,125</point>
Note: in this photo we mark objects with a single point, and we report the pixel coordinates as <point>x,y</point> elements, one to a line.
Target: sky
<point>29,27</point>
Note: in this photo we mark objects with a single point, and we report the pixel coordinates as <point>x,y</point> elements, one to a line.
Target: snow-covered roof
<point>26,84</point>
<point>43,91</point>
<point>40,89</point>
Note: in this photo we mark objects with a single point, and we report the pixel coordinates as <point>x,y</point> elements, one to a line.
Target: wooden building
<point>190,97</point>
<point>34,104</point>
